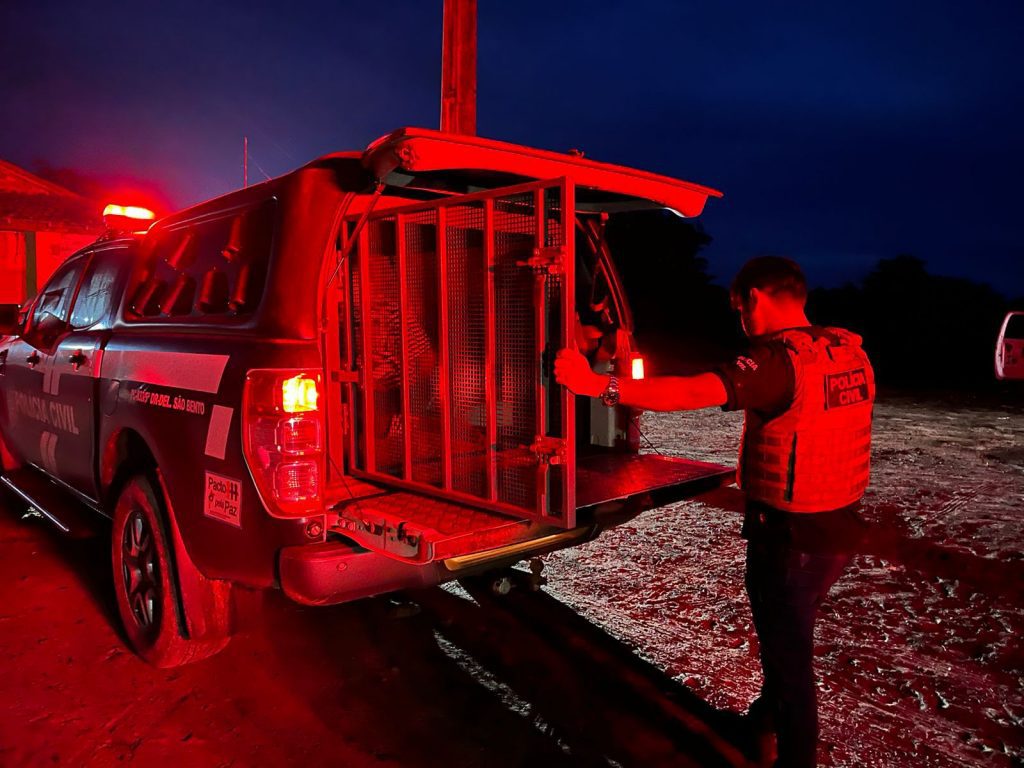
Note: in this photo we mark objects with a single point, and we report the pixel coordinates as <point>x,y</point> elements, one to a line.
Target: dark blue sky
<point>841,133</point>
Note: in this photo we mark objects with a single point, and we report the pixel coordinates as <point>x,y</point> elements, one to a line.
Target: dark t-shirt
<point>762,383</point>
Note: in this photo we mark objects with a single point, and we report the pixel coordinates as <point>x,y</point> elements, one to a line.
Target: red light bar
<point>129,212</point>
<point>127,218</point>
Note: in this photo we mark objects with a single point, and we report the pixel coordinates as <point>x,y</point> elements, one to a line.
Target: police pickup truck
<point>338,382</point>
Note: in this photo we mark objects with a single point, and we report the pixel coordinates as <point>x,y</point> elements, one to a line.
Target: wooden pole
<point>458,67</point>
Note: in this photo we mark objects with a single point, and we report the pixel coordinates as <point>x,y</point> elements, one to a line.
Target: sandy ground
<point>919,654</point>
<point>641,652</point>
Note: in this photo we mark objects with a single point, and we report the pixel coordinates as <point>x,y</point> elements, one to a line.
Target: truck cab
<point>339,382</point>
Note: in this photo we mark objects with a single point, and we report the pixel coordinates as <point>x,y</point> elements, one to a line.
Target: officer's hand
<point>573,371</point>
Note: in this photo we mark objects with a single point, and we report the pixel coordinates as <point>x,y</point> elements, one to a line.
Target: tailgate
<point>661,479</point>
<point>421,529</point>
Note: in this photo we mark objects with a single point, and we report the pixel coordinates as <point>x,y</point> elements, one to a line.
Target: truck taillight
<point>637,368</point>
<point>299,394</point>
<point>283,440</point>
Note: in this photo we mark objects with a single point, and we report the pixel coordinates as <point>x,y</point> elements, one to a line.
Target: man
<point>807,395</point>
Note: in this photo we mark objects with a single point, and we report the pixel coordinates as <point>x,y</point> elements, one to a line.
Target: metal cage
<point>456,310</point>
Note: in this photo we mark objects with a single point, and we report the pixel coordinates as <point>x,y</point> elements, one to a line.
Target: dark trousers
<point>786,587</point>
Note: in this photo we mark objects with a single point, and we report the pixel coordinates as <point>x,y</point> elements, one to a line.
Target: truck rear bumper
<point>338,572</point>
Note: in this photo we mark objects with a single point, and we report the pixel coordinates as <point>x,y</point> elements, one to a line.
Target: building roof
<point>30,203</point>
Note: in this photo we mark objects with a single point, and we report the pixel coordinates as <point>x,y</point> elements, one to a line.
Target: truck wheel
<point>145,582</point>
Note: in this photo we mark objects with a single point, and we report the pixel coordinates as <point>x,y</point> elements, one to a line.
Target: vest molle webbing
<point>814,457</point>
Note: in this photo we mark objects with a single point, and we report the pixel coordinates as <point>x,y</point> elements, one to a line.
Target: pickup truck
<point>338,382</point>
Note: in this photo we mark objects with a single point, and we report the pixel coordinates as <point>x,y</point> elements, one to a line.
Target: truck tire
<point>146,585</point>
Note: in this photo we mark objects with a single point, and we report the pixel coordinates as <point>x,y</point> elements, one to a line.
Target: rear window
<point>204,270</point>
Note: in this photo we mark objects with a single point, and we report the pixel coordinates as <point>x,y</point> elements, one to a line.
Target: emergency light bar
<point>126,218</point>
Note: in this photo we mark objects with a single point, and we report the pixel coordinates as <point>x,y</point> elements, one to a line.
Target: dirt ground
<point>640,651</point>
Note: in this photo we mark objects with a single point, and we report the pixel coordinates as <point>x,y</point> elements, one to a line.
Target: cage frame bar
<point>444,364</point>
<point>490,353</point>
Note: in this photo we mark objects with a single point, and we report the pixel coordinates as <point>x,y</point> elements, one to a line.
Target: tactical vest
<point>815,457</point>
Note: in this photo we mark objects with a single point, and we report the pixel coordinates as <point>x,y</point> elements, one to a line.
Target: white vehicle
<point>1010,348</point>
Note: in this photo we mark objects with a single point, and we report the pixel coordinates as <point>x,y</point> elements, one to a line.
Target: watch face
<point>610,396</point>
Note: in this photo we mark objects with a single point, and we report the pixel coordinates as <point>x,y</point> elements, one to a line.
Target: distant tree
<point>682,317</point>
<point>921,330</point>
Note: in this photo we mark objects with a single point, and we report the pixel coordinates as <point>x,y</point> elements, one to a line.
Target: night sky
<point>841,133</point>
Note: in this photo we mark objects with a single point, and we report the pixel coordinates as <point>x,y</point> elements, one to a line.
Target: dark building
<point>41,224</point>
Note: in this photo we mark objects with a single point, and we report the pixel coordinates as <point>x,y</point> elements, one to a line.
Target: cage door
<point>457,310</point>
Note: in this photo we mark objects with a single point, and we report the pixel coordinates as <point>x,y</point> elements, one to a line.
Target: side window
<point>96,291</point>
<point>210,268</point>
<point>56,296</point>
<point>1015,328</point>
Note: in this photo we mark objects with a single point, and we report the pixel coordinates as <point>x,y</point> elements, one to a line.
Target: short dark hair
<point>771,274</point>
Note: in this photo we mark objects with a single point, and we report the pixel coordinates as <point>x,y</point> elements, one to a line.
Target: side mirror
<point>10,324</point>
<point>47,330</point>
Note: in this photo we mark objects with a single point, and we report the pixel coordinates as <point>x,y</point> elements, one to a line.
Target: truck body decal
<point>48,451</point>
<point>222,498</point>
<point>217,433</point>
<point>175,370</point>
<point>49,412</point>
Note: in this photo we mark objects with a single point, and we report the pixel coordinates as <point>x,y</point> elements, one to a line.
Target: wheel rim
<point>140,571</point>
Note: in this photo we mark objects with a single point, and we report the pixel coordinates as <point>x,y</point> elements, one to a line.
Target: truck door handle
<point>77,359</point>
<point>32,359</point>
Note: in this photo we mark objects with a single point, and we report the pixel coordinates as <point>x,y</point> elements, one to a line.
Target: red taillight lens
<point>283,440</point>
<point>297,481</point>
<point>299,435</point>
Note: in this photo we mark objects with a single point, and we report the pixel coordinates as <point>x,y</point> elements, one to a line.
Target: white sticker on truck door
<point>222,499</point>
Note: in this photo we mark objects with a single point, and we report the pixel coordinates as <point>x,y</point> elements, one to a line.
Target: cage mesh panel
<point>467,269</point>
<point>386,351</point>
<point>515,363</point>
<point>423,330</point>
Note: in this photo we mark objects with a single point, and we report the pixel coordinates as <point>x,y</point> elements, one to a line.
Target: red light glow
<point>129,212</point>
<point>637,368</point>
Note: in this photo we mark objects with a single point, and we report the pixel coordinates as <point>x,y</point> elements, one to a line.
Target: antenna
<point>245,161</point>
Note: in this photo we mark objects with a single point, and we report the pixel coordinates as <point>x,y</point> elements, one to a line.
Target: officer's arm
<point>671,393</point>
<point>661,393</point>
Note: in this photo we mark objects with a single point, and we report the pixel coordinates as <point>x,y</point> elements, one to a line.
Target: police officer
<point>807,394</point>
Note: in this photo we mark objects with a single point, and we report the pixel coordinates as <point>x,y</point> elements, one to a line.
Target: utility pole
<point>458,67</point>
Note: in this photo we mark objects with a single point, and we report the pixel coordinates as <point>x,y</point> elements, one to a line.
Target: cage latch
<point>549,261</point>
<point>549,450</point>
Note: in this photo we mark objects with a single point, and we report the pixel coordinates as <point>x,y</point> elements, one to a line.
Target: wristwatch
<point>610,396</point>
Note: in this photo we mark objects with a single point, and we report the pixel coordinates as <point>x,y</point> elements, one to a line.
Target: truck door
<point>75,367</point>
<point>37,417</point>
<point>457,308</point>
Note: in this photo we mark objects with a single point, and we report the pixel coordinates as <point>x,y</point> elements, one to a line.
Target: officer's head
<point>769,292</point>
